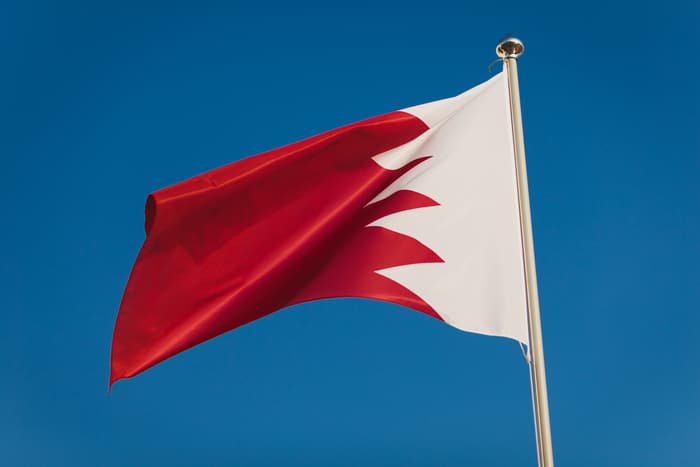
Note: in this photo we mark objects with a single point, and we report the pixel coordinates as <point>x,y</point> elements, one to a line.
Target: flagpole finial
<point>510,47</point>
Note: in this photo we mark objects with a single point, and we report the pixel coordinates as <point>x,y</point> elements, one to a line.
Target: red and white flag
<point>417,207</point>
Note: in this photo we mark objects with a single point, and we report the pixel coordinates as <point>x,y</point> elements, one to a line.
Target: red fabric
<point>287,226</point>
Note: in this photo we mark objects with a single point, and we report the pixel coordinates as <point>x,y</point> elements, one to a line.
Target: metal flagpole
<point>509,49</point>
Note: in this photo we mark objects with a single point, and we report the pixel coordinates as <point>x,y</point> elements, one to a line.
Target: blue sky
<point>103,104</point>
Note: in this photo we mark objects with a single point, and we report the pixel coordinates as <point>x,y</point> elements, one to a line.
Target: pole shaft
<point>544,435</point>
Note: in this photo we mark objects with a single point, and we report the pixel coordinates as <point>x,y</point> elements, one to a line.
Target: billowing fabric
<point>416,207</point>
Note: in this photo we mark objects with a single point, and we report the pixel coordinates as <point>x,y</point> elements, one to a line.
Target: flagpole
<point>509,49</point>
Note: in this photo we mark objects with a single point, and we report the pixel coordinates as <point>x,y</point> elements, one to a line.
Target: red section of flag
<point>284,227</point>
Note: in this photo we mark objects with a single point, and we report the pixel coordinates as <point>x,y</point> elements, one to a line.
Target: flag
<point>417,207</point>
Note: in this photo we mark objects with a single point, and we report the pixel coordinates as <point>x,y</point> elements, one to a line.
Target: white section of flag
<point>476,228</point>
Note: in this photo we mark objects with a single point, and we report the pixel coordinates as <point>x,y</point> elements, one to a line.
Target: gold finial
<point>510,47</point>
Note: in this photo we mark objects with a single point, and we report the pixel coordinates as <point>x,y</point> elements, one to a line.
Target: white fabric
<point>481,286</point>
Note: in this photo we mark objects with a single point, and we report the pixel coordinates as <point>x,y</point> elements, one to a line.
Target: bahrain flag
<point>417,207</point>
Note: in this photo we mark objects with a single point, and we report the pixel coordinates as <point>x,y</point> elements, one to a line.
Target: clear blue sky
<point>101,105</point>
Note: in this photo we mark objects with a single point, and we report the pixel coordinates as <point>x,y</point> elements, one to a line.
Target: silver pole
<point>509,49</point>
